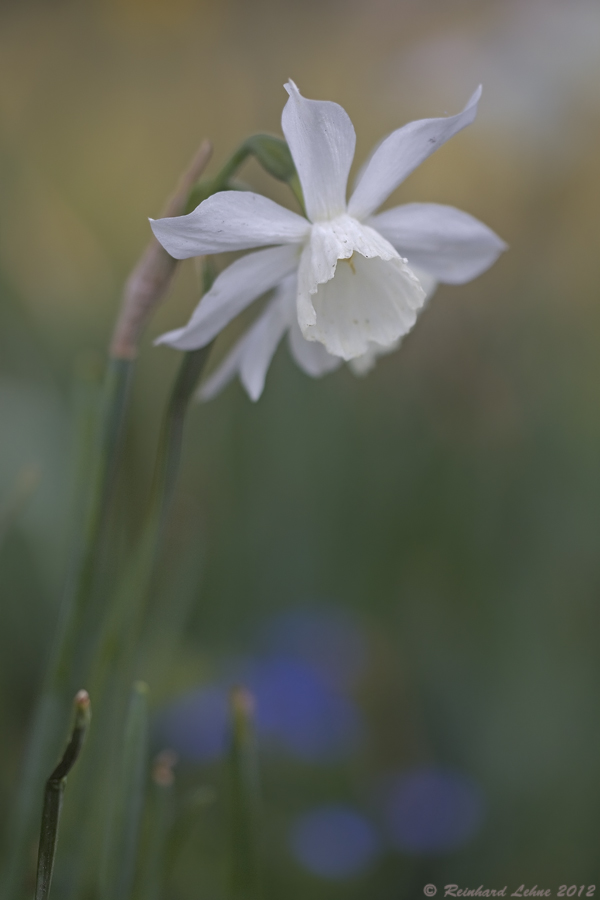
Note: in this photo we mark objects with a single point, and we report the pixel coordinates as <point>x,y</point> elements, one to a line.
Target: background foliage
<point>448,503</point>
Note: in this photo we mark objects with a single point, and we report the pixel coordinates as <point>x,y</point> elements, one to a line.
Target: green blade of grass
<point>27,481</point>
<point>244,796</point>
<point>121,840</point>
<point>147,287</point>
<point>53,797</point>
<point>159,815</point>
<point>52,709</point>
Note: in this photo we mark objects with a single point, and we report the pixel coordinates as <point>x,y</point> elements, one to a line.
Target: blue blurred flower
<point>196,725</point>
<point>296,710</point>
<point>334,842</point>
<point>431,811</point>
<point>327,639</point>
<point>300,711</point>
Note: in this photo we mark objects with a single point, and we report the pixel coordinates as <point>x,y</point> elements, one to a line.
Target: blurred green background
<point>449,503</point>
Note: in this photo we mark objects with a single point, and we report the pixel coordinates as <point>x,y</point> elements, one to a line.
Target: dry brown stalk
<point>149,281</point>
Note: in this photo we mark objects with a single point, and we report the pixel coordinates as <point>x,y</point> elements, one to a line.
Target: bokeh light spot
<point>301,712</point>
<point>296,711</point>
<point>329,640</point>
<point>334,842</point>
<point>196,726</point>
<point>432,811</point>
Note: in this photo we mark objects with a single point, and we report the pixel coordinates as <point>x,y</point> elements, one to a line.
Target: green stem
<point>167,468</point>
<point>171,439</point>
<point>159,815</point>
<point>72,642</point>
<point>127,610</point>
<point>270,152</point>
<point>128,794</point>
<point>116,661</point>
<point>245,872</point>
<point>51,710</point>
<point>114,404</point>
<point>126,613</point>
<point>53,797</point>
<point>27,481</point>
<point>220,182</point>
<point>152,276</point>
<point>182,831</point>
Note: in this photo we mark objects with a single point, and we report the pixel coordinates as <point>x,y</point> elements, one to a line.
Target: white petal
<point>229,220</point>
<point>427,281</point>
<point>338,239</point>
<point>252,355</point>
<point>368,301</point>
<point>310,356</point>
<point>400,153</point>
<point>223,374</point>
<point>362,365</point>
<point>448,243</point>
<point>260,346</point>
<point>235,288</point>
<point>321,139</point>
<point>354,289</point>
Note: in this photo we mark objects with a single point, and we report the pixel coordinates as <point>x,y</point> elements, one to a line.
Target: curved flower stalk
<point>371,299</point>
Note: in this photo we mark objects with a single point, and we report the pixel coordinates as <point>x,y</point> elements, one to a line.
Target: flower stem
<point>158,820</point>
<point>245,872</point>
<point>124,825</point>
<point>53,797</point>
<point>144,289</point>
<point>72,645</point>
<point>115,398</point>
<point>51,710</point>
<point>126,611</point>
<point>272,153</point>
<point>171,438</point>
<point>116,661</point>
<point>27,481</point>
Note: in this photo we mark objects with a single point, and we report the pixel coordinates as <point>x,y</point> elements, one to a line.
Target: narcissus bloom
<point>356,291</point>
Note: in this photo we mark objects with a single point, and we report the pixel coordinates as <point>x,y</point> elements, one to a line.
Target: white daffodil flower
<point>369,301</point>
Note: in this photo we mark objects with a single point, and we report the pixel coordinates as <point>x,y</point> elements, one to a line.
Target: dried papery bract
<point>150,280</point>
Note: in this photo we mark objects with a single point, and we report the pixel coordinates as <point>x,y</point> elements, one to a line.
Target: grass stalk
<point>244,795</point>
<point>27,481</point>
<point>118,870</point>
<point>53,797</point>
<point>143,291</point>
<point>116,660</point>
<point>51,711</point>
<point>158,822</point>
